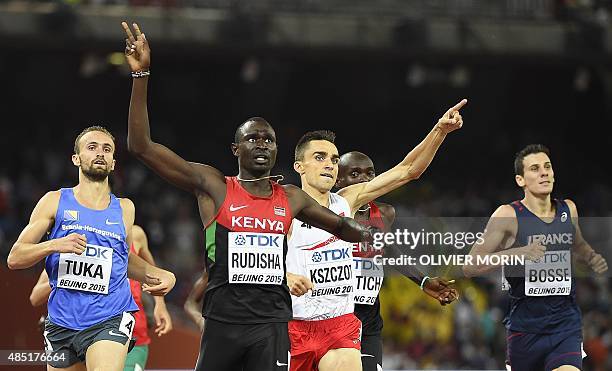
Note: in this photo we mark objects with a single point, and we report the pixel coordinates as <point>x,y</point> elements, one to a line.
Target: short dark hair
<point>252,119</point>
<point>327,135</point>
<point>89,129</point>
<point>528,150</point>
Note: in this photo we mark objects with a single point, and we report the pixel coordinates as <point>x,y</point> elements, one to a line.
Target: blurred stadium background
<point>378,72</point>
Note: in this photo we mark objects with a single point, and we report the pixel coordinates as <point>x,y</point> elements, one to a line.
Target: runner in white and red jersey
<point>325,334</point>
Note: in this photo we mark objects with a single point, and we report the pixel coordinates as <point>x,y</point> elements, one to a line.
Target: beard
<point>95,174</point>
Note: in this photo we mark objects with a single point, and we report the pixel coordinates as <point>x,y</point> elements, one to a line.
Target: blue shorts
<point>536,352</point>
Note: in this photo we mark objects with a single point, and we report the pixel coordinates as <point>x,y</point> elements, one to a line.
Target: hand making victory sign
<point>137,51</point>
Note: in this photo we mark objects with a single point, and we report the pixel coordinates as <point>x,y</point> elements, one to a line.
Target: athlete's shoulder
<point>504,211</point>
<point>50,200</point>
<point>572,207</point>
<point>292,190</point>
<point>127,205</point>
<point>387,211</point>
<point>52,196</point>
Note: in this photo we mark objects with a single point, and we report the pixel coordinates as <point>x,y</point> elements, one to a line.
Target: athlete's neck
<point>322,197</point>
<point>541,206</point>
<point>92,194</point>
<point>257,184</point>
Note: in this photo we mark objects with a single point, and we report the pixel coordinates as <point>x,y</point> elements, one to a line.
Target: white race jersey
<point>328,262</point>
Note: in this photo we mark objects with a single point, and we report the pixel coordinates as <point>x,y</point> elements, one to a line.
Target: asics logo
<point>111,223</point>
<point>280,364</point>
<point>233,208</point>
<point>367,355</point>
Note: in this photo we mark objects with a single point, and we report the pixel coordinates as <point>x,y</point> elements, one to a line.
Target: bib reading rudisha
<point>246,251</point>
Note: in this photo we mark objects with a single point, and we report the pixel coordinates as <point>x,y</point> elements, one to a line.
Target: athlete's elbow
<point>35,300</point>
<point>13,262</point>
<point>412,173</point>
<point>136,149</point>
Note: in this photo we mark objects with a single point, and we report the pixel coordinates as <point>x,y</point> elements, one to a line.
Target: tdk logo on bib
<point>258,240</point>
<point>366,264</point>
<point>98,252</point>
<point>331,255</point>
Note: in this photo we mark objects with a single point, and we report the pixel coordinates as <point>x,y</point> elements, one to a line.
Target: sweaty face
<point>96,155</point>
<point>256,149</point>
<point>353,169</point>
<point>538,175</point>
<point>319,167</point>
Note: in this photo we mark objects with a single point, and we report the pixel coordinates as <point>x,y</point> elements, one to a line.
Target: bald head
<point>354,167</point>
<point>248,124</point>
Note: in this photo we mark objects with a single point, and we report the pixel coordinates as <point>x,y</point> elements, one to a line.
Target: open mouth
<point>100,162</point>
<point>261,159</point>
<point>327,175</point>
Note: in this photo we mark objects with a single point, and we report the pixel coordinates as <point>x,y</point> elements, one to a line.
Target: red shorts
<point>311,340</point>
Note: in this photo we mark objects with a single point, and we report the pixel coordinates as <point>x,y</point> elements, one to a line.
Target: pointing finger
<point>458,106</point>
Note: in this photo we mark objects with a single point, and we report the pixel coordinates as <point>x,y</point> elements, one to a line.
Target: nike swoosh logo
<point>367,355</point>
<point>112,332</point>
<point>236,208</point>
<point>280,364</point>
<point>111,223</point>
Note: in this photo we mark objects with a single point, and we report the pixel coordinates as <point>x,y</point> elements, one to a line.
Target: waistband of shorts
<point>330,323</point>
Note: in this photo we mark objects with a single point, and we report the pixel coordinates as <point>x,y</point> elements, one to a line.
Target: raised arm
<point>28,250</point>
<point>306,209</point>
<point>189,176</point>
<point>193,304</point>
<point>40,291</point>
<point>413,165</point>
<point>581,248</point>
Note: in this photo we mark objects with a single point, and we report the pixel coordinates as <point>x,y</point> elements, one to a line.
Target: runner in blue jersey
<point>544,324</point>
<point>90,307</point>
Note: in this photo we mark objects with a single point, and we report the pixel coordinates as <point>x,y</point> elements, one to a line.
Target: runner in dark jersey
<point>356,167</point>
<point>544,325</point>
<point>247,303</point>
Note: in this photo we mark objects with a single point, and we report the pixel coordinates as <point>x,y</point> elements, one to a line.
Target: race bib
<point>549,275</point>
<point>89,271</point>
<point>368,280</point>
<point>255,258</point>
<point>330,269</point>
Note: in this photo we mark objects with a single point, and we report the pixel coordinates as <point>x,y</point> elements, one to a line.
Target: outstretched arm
<point>306,209</point>
<point>191,177</point>
<point>193,304</point>
<point>413,165</point>
<point>582,249</point>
